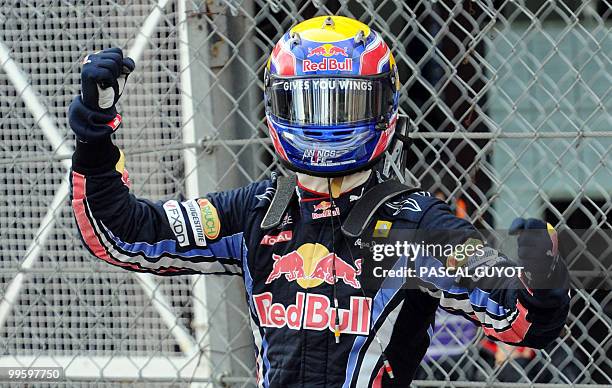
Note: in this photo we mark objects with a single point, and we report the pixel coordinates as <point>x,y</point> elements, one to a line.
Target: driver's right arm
<point>165,238</point>
<point>203,235</point>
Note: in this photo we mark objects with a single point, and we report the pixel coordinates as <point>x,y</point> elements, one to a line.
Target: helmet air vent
<point>360,38</point>
<point>295,40</point>
<point>328,22</point>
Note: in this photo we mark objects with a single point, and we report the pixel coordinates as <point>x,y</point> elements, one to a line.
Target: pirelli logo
<point>177,222</point>
<point>195,220</point>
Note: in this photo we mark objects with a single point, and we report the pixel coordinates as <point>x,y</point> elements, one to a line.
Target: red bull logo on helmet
<point>312,265</point>
<point>327,50</point>
<point>331,58</point>
<point>327,64</point>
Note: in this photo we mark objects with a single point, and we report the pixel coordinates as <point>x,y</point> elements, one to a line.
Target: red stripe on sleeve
<point>87,230</point>
<point>377,383</point>
<point>517,330</point>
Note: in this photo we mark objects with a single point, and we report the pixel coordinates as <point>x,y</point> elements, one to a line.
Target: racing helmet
<point>331,93</point>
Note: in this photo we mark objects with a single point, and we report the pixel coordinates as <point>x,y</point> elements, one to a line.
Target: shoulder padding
<point>285,189</point>
<point>361,214</point>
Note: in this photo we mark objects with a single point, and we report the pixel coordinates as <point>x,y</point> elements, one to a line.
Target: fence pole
<point>192,183</point>
<point>208,77</point>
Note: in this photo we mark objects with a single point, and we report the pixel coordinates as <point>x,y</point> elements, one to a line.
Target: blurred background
<point>510,114</point>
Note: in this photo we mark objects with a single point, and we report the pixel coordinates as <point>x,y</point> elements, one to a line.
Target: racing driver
<point>331,103</point>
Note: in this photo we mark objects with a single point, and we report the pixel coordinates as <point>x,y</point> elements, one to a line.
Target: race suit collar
<point>315,203</point>
<point>318,185</point>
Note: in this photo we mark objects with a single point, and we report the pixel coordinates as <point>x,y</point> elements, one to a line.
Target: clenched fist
<point>538,249</point>
<point>103,78</point>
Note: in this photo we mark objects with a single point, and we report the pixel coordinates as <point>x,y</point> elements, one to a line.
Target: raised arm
<point>529,310</point>
<point>165,238</point>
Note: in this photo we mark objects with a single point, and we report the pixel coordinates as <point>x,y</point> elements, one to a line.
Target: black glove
<point>93,114</point>
<point>538,249</point>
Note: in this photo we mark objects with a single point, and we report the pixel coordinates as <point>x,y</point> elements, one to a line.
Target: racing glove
<point>538,249</point>
<point>93,115</point>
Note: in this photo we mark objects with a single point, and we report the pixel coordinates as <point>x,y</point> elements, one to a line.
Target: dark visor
<point>328,101</point>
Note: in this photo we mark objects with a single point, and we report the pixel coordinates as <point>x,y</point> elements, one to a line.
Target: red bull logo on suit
<point>314,312</point>
<point>310,266</point>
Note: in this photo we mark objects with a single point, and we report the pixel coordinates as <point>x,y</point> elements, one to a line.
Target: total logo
<point>284,236</point>
<point>311,265</point>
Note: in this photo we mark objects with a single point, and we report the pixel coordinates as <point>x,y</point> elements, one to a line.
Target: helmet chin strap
<point>338,185</point>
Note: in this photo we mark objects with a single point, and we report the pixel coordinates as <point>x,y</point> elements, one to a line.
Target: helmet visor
<point>330,100</point>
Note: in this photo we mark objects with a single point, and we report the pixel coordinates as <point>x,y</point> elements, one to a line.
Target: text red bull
<point>328,64</point>
<point>314,312</point>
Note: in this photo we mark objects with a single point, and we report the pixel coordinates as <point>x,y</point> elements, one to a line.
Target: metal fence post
<point>207,112</point>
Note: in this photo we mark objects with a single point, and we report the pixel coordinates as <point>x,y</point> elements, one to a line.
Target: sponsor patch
<point>210,219</point>
<point>267,195</point>
<point>287,220</point>
<point>114,123</point>
<point>311,265</point>
<point>328,64</point>
<point>195,220</point>
<point>323,209</point>
<point>120,167</point>
<point>382,228</point>
<point>353,198</point>
<point>177,222</point>
<point>326,213</point>
<point>314,312</point>
<point>284,236</point>
<point>319,156</point>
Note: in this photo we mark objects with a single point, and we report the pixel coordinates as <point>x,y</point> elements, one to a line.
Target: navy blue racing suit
<point>286,273</point>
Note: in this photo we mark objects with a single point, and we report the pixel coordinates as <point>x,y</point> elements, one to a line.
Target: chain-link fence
<point>510,104</point>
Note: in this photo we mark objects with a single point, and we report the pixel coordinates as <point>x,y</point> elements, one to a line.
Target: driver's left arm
<point>515,309</point>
